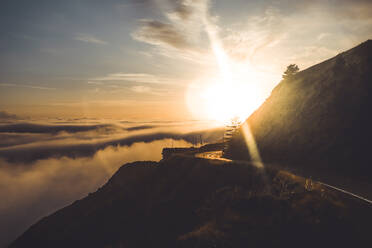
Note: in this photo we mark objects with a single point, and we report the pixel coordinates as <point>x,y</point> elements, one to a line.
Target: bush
<point>292,69</point>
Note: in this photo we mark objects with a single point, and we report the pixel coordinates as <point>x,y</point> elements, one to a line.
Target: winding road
<point>217,155</point>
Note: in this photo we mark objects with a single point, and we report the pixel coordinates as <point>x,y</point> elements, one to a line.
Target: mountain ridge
<point>187,202</point>
<point>319,116</point>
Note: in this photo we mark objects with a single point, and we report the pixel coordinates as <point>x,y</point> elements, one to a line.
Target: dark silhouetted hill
<point>188,202</point>
<point>320,118</point>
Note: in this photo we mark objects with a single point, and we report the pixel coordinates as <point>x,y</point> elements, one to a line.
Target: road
<point>346,192</point>
<point>217,155</point>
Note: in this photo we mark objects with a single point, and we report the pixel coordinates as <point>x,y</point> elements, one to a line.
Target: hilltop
<point>190,202</point>
<point>320,118</point>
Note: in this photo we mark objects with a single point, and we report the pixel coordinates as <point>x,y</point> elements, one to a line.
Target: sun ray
<point>226,98</point>
<point>251,145</point>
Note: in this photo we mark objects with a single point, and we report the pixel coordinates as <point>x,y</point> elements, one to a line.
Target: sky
<point>142,59</point>
<point>88,85</point>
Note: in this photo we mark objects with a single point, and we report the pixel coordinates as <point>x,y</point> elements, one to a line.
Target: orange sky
<point>143,59</point>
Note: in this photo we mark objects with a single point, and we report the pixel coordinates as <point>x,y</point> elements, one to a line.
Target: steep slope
<point>321,117</point>
<point>189,202</point>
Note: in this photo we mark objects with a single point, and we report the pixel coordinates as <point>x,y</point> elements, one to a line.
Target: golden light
<point>252,146</point>
<point>233,91</point>
<point>219,99</point>
<point>226,100</point>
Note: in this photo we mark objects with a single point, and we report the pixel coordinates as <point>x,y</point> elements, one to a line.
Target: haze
<point>138,58</point>
<point>89,85</point>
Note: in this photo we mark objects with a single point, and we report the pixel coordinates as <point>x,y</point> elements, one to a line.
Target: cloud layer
<point>47,165</point>
<point>29,142</point>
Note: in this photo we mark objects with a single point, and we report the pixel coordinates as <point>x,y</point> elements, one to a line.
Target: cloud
<point>29,142</point>
<point>323,36</point>
<point>142,127</point>
<point>133,77</point>
<point>341,9</point>
<point>188,10</point>
<point>94,83</point>
<point>186,21</point>
<point>244,40</point>
<point>52,129</point>
<point>163,34</point>
<point>22,133</point>
<point>179,36</point>
<point>30,153</point>
<point>27,86</point>
<point>45,166</point>
<point>89,39</point>
<point>7,116</point>
<point>271,35</point>
<point>183,10</point>
<point>141,89</point>
<point>301,32</point>
<point>137,78</point>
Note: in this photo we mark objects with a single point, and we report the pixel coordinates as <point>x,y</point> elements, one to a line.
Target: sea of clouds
<point>48,164</point>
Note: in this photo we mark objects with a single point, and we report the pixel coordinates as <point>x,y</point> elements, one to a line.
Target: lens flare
<point>251,145</point>
<point>234,94</point>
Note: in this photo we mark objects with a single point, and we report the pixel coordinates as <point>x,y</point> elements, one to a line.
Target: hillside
<point>189,202</point>
<point>319,118</point>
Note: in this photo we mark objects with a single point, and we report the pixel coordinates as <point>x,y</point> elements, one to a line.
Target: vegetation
<point>189,202</point>
<point>318,119</point>
<point>292,69</point>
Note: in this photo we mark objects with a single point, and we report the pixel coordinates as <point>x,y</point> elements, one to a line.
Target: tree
<point>292,69</point>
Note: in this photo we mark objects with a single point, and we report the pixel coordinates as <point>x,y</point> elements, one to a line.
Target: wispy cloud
<point>133,77</point>
<point>257,36</point>
<point>163,34</point>
<point>6,115</point>
<point>26,86</point>
<point>136,78</point>
<point>141,89</point>
<point>89,39</point>
<point>323,36</point>
<point>179,36</point>
<point>94,83</point>
<point>244,40</point>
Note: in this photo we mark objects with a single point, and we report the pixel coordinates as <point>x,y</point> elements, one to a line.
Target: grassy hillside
<point>321,117</point>
<point>189,202</point>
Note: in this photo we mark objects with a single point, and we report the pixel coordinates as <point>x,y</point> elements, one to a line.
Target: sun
<point>218,99</point>
<point>234,93</point>
<point>223,101</point>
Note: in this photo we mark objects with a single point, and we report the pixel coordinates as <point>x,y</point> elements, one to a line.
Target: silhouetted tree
<point>291,70</point>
